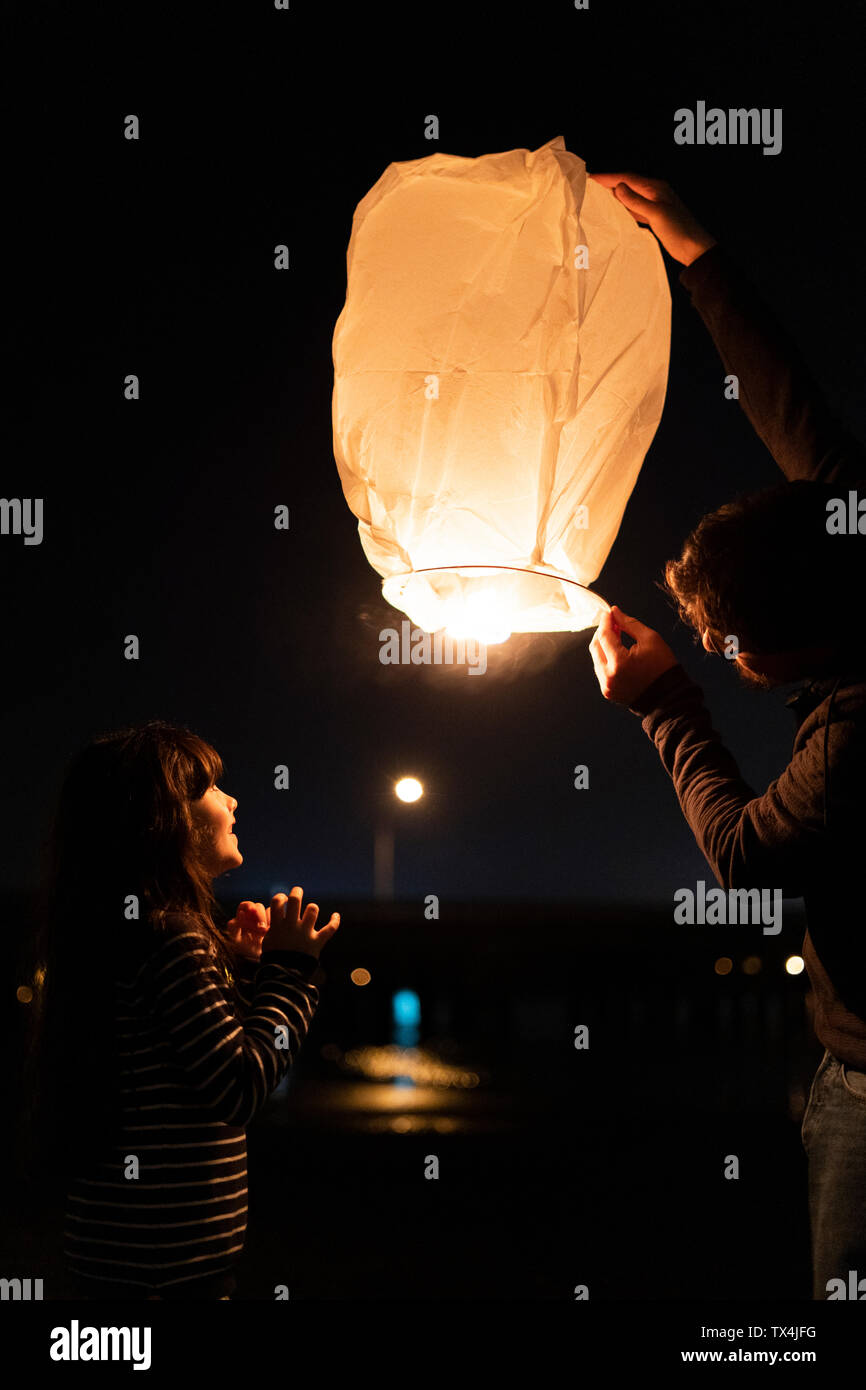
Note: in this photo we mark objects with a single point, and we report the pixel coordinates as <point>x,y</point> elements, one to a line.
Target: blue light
<point>406,1008</point>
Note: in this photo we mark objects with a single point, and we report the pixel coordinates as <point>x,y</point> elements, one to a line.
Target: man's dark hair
<point>765,569</point>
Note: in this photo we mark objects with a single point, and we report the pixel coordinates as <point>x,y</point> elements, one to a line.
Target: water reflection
<point>405,1026</point>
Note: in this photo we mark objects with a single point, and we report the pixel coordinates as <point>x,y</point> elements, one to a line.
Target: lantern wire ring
<point>518,569</point>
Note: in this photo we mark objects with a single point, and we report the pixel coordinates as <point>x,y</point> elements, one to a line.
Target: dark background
<point>156,257</point>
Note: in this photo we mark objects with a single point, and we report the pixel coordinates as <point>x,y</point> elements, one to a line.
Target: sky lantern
<point>500,367</point>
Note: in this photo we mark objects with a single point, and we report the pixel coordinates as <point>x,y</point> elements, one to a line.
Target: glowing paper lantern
<point>500,368</point>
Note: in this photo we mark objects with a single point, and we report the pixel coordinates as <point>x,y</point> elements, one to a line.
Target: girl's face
<point>214,814</point>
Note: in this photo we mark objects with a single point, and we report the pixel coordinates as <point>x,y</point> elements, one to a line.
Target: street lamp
<point>407,790</point>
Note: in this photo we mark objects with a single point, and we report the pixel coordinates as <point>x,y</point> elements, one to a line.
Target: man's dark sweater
<point>804,835</point>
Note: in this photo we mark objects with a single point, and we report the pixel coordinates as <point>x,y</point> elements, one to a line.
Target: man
<point>773,581</point>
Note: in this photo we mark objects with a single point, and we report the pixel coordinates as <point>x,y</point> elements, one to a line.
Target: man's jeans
<point>834,1137</point>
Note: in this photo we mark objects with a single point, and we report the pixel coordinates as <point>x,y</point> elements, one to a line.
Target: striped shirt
<point>194,1071</point>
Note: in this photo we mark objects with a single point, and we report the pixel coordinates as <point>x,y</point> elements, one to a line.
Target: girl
<point>161,1035</point>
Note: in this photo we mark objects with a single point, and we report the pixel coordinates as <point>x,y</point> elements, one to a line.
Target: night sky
<point>156,257</point>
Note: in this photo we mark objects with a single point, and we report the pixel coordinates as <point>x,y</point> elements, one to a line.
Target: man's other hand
<point>624,673</point>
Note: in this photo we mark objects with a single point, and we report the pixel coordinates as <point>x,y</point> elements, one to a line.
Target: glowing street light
<point>406,790</point>
<point>409,789</point>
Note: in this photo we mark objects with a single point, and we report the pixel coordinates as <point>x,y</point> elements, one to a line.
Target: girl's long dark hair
<point>124,855</point>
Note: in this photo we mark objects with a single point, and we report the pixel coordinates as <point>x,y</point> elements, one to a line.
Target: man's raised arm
<point>777,392</point>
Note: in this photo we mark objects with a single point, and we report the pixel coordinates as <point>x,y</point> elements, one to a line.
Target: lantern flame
<point>478,617</point>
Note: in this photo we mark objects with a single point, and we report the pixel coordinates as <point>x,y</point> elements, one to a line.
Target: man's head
<point>765,570</point>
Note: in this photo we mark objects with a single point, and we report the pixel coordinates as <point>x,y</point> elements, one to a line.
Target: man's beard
<point>753,679</point>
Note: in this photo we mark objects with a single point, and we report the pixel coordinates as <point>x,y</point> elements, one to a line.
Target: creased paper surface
<point>493,401</point>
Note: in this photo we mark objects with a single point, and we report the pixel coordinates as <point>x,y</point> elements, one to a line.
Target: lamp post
<point>407,790</point>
